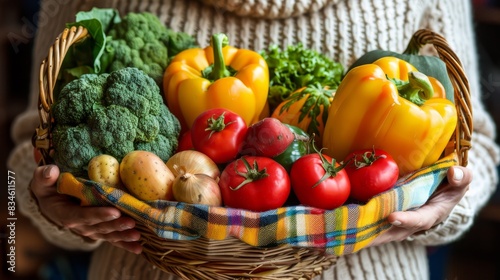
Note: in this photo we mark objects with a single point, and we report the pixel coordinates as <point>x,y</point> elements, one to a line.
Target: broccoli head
<point>111,114</point>
<point>74,148</point>
<point>112,124</point>
<point>141,40</point>
<point>71,99</point>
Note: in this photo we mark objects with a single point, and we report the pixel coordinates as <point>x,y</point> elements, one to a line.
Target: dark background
<point>475,256</point>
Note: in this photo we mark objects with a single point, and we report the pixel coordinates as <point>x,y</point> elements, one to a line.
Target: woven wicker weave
<point>231,258</point>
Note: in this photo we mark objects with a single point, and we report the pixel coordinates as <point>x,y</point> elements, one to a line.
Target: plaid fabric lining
<point>343,230</point>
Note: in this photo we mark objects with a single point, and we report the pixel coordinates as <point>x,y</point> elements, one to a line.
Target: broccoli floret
<point>128,115</point>
<point>160,146</point>
<point>71,107</point>
<point>168,122</point>
<point>74,148</point>
<point>130,89</point>
<point>120,149</point>
<point>148,128</point>
<point>112,124</point>
<point>141,40</point>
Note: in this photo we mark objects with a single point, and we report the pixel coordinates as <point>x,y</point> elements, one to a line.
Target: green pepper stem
<point>219,69</point>
<point>418,89</point>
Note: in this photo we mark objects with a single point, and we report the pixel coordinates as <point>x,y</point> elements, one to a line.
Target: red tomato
<point>318,182</point>
<point>218,133</point>
<point>371,171</point>
<point>185,142</point>
<point>254,183</point>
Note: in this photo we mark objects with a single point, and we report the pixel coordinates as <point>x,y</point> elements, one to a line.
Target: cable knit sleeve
<point>52,22</point>
<point>452,19</point>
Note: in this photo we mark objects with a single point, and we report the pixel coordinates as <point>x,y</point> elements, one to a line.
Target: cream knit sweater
<point>342,30</point>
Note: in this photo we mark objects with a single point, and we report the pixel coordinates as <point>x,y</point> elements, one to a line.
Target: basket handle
<point>463,132</point>
<point>49,70</point>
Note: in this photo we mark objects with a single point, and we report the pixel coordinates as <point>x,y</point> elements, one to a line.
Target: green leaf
<point>107,17</point>
<point>97,21</point>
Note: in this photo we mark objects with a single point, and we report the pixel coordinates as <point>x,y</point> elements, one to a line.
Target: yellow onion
<point>194,162</point>
<point>196,188</point>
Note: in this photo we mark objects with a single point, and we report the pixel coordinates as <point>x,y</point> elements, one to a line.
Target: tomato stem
<point>216,125</point>
<point>367,159</point>
<point>252,173</point>
<point>330,169</point>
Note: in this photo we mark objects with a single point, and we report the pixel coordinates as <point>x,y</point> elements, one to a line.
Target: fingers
<point>439,205</point>
<point>77,216</point>
<point>97,223</point>
<point>435,210</point>
<point>392,234</point>
<point>118,231</point>
<point>133,247</point>
<point>415,221</point>
<point>44,177</point>
<point>117,225</point>
<point>130,235</point>
<point>459,176</point>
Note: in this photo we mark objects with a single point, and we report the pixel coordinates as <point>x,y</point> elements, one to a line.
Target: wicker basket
<point>231,258</point>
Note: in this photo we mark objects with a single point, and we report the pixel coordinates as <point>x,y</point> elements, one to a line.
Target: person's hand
<point>435,211</point>
<point>95,223</point>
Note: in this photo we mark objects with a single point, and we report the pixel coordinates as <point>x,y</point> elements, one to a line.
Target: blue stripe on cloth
<point>342,228</point>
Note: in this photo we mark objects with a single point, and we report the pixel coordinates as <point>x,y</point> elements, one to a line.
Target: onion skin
<point>196,189</point>
<point>194,162</point>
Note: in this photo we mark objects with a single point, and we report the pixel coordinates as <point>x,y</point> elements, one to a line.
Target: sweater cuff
<point>21,162</point>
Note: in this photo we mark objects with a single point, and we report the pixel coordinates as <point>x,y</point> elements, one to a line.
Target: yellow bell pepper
<point>218,76</point>
<point>372,108</point>
<point>398,69</point>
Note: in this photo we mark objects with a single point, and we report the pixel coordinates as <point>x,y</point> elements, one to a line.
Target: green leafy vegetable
<point>296,67</point>
<point>111,114</point>
<point>89,52</point>
<point>137,40</point>
<point>141,40</point>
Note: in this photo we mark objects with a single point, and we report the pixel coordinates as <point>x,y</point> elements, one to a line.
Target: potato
<point>105,169</point>
<point>146,176</point>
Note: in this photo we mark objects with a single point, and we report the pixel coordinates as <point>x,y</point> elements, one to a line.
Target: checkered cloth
<point>343,230</point>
